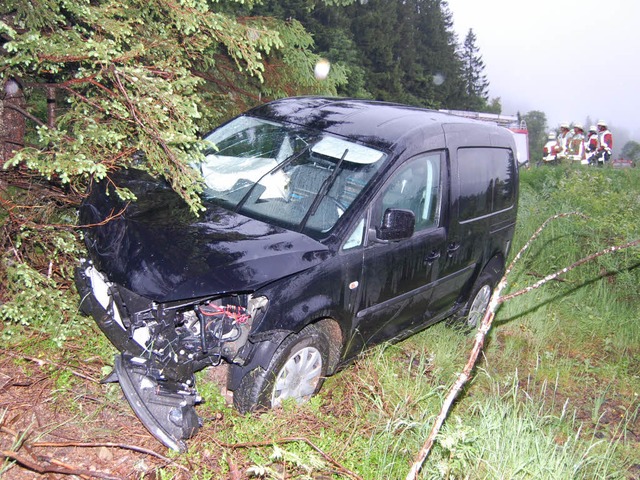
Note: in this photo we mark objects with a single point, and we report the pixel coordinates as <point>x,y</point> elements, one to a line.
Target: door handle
<point>431,257</point>
<point>452,248</point>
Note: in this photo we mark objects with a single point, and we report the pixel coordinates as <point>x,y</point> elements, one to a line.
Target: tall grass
<point>517,433</point>
<point>601,298</point>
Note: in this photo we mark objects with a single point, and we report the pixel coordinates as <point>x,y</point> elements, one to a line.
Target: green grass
<point>555,395</point>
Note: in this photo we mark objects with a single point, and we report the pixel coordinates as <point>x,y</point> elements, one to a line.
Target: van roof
<point>372,122</point>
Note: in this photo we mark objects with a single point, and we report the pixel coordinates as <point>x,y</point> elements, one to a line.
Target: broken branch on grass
<point>573,266</point>
<point>123,446</point>
<point>485,326</point>
<point>42,469</point>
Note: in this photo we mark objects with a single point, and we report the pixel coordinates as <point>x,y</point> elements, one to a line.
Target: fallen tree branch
<point>573,266</point>
<point>42,469</point>
<point>485,326</point>
<point>123,446</point>
<point>43,444</point>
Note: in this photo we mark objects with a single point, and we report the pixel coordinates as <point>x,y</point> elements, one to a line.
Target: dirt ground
<point>86,441</point>
<point>98,436</point>
<point>55,427</point>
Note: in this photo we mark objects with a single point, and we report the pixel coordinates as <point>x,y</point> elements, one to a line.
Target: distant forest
<point>399,51</point>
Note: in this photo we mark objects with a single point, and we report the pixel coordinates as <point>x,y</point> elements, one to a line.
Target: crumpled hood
<point>159,250</point>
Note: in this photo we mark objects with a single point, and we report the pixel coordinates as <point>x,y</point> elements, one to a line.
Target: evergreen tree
<point>334,40</point>
<point>145,76</point>
<point>376,28</point>
<point>476,83</point>
<point>140,76</point>
<point>436,53</point>
<point>389,50</point>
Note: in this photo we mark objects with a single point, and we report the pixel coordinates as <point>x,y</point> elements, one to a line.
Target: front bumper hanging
<point>169,416</point>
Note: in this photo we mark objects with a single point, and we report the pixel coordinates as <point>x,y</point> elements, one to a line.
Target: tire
<point>470,316</point>
<point>296,371</point>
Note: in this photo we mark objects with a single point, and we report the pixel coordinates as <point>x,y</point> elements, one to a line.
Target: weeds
<point>518,434</point>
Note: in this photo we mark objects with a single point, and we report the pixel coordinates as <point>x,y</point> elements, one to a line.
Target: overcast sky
<point>569,59</point>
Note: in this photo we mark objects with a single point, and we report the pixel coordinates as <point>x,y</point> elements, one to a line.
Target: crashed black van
<point>330,225</point>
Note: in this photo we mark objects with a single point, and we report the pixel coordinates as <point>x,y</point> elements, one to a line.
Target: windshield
<point>284,174</point>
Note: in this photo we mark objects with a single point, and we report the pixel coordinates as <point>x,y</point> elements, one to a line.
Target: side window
<point>414,186</point>
<point>356,237</point>
<point>486,178</point>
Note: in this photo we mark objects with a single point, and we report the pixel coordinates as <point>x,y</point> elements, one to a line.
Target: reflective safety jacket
<point>563,143</point>
<point>575,149</point>
<point>605,140</point>
<point>549,151</point>
<point>592,142</point>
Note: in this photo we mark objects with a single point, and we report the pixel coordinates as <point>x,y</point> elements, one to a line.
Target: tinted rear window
<point>487,181</point>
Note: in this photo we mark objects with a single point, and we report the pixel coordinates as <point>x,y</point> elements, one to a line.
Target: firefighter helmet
<point>578,125</point>
<point>592,128</point>
<point>602,123</point>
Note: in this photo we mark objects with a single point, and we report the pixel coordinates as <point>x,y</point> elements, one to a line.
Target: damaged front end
<point>162,345</point>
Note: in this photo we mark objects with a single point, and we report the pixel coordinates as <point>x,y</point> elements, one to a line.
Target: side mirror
<point>397,224</point>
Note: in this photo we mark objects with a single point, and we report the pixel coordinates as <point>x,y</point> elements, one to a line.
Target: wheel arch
<point>495,267</point>
<point>264,350</point>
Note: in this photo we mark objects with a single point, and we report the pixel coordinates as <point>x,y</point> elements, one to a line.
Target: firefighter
<point>605,143</point>
<point>563,141</point>
<point>575,149</point>
<point>591,145</point>
<point>550,149</point>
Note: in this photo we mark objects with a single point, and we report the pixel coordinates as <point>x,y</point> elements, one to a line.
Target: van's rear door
<point>482,207</point>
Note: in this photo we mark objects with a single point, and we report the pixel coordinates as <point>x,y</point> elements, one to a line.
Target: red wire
<point>234,311</point>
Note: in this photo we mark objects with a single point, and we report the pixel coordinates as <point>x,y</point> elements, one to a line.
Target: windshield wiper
<point>282,164</point>
<point>324,188</point>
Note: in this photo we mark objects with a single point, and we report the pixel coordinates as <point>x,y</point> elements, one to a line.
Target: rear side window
<point>487,179</point>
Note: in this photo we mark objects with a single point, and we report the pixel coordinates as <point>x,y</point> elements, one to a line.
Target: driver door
<point>398,276</point>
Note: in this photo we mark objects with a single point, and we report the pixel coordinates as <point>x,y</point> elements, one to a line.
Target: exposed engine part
<point>163,345</point>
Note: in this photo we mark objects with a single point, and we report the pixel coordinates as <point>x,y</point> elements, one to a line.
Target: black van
<point>330,225</point>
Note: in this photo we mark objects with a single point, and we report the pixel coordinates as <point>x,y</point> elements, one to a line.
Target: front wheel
<point>299,377</point>
<point>296,371</point>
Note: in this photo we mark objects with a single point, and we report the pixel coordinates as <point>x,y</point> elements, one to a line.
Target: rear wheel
<point>479,306</point>
<point>296,371</point>
<point>473,312</point>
